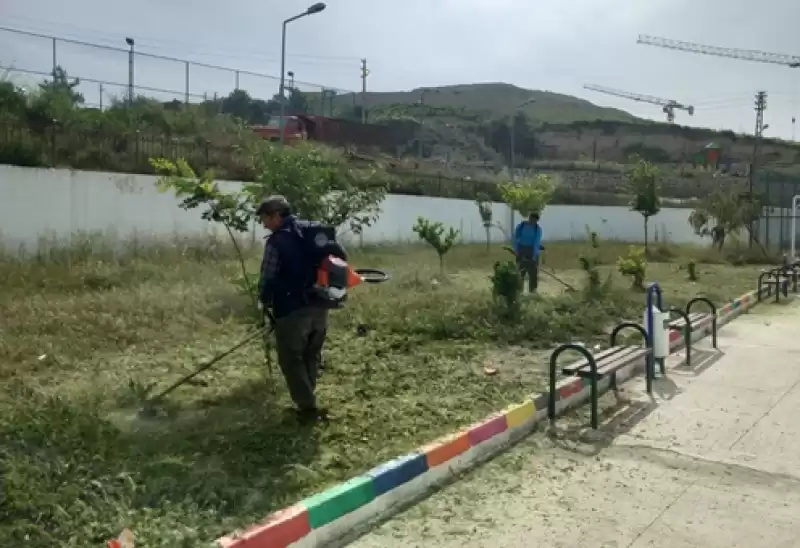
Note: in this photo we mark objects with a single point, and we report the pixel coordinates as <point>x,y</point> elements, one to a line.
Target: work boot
<point>312,415</point>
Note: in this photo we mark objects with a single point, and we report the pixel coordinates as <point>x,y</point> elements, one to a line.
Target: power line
<point>117,49</point>
<point>160,42</point>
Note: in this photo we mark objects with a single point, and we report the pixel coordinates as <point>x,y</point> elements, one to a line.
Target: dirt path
<point>713,462</point>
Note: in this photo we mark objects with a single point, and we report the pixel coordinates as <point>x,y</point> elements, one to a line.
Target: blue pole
<point>649,368</point>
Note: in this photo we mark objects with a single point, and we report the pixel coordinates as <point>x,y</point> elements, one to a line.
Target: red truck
<point>331,131</point>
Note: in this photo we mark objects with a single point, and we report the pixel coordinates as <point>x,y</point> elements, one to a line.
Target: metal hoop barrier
<point>373,275</point>
<point>713,316</point>
<point>613,342</point>
<point>761,277</point>
<point>628,325</point>
<point>551,404</point>
<point>687,332</point>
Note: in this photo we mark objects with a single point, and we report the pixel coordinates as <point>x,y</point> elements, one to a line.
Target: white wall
<point>37,204</point>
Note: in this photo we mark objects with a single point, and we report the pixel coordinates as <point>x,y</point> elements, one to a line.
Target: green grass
<point>84,333</point>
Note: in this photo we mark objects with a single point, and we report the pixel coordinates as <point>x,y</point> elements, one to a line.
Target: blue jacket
<point>528,235</point>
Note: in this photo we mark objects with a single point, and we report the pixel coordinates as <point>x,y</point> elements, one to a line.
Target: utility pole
<point>130,43</point>
<point>761,106</point>
<point>364,74</point>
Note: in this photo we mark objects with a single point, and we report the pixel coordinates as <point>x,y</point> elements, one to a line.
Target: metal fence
<point>127,72</point>
<point>59,146</point>
<point>776,192</point>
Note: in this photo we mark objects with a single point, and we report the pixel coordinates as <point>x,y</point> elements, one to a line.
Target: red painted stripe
<point>570,389</point>
<point>481,432</point>
<point>279,530</point>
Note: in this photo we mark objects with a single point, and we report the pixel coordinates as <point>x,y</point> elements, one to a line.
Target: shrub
<point>507,286</point>
<point>634,266</point>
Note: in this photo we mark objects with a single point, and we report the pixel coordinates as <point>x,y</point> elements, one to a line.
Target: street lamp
<point>130,43</point>
<point>315,8</point>
<point>512,142</point>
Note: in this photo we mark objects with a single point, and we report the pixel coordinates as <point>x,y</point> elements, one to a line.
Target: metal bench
<point>597,366</point>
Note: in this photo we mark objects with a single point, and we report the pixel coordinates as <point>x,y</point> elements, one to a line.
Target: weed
<point>691,267</point>
<point>86,334</point>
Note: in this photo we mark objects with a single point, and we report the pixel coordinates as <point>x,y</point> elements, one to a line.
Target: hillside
<point>467,125</point>
<point>495,100</point>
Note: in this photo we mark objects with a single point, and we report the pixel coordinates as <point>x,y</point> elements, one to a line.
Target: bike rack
<point>687,333</point>
<point>613,342</point>
<point>713,316</point>
<point>551,405</point>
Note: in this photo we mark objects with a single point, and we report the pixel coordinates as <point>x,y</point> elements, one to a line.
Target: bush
<point>507,286</point>
<point>634,266</point>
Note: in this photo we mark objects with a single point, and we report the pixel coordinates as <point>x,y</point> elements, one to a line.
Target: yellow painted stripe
<point>517,415</point>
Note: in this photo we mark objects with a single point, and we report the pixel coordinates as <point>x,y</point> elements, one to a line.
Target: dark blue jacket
<point>287,270</point>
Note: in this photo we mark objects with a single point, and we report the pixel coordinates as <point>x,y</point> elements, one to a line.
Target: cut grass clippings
<point>85,334</point>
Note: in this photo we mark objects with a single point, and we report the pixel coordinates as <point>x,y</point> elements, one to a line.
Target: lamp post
<point>130,43</point>
<point>315,8</point>
<point>512,142</point>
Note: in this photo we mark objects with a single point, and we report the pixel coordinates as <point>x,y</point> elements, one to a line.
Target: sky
<point>551,46</point>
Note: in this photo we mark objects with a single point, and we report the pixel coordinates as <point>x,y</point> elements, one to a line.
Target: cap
<point>274,204</point>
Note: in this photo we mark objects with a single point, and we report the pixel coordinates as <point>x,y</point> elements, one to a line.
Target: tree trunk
<point>646,219</point>
<point>488,237</point>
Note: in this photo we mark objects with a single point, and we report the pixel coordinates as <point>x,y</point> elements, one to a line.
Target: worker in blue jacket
<point>527,246</point>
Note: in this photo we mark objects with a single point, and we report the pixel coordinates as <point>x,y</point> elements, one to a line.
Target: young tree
<point>485,211</point>
<point>433,233</point>
<point>528,195</point>
<point>724,213</point>
<point>320,184</point>
<point>643,181</point>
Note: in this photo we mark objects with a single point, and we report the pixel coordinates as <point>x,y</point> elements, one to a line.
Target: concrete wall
<point>56,204</point>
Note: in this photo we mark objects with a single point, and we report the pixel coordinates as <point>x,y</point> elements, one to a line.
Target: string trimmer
<point>542,270</point>
<point>366,275</point>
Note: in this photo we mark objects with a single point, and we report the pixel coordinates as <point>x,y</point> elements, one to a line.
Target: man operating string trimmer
<point>527,247</point>
<point>303,274</point>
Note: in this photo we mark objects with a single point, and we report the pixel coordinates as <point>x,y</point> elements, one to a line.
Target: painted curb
<point>343,512</point>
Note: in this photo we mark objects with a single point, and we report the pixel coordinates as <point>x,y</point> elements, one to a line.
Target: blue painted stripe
<point>396,472</point>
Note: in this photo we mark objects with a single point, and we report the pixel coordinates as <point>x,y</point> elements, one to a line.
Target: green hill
<point>495,100</point>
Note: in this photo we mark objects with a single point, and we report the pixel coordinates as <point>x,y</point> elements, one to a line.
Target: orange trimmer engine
<point>334,278</point>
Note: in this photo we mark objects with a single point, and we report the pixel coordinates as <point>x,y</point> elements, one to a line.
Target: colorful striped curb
<point>345,511</point>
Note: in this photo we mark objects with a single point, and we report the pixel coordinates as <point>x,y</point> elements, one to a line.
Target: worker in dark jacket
<point>527,246</point>
<point>300,326</point>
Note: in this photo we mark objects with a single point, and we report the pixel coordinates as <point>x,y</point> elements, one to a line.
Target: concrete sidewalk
<point>713,461</point>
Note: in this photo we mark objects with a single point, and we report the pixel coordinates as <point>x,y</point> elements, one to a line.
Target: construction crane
<point>792,61</point>
<point>758,56</point>
<point>667,105</point>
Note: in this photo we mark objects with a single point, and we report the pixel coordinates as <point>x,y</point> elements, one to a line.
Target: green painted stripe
<point>332,504</point>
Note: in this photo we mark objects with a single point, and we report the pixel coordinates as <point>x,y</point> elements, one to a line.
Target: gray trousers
<point>299,339</point>
<point>528,266</point>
